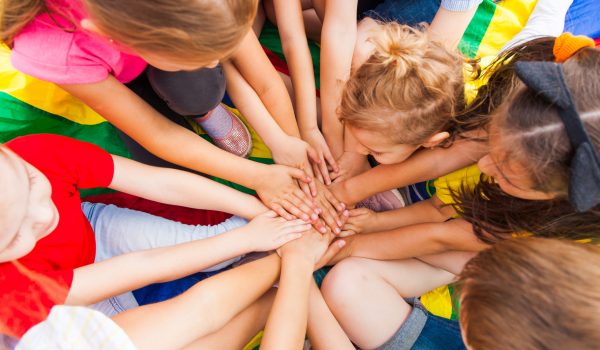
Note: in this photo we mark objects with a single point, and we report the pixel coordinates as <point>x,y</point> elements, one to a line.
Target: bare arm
<point>414,241</point>
<point>324,331</point>
<point>182,188</point>
<point>423,165</point>
<point>202,310</point>
<point>338,38</point>
<point>98,281</point>
<point>448,27</point>
<point>276,185</point>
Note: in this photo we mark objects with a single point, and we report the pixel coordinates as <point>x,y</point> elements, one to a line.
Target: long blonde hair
<point>407,90</point>
<point>185,31</point>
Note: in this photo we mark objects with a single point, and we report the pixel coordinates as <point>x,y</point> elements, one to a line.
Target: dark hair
<point>532,135</point>
<point>530,294</point>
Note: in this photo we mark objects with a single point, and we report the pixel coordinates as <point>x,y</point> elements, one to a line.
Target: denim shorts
<point>410,12</point>
<point>424,331</point>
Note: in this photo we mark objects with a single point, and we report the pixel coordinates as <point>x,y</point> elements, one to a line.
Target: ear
<point>436,139</point>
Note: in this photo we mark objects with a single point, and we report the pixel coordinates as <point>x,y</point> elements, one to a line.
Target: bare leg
<point>367,296</point>
<point>242,328</point>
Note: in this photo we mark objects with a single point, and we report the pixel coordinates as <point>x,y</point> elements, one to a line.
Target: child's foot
<point>227,131</point>
<point>384,201</point>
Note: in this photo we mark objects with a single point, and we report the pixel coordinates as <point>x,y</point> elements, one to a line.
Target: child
<point>44,229</point>
<point>533,174</point>
<point>92,48</point>
<point>216,308</point>
<point>339,42</point>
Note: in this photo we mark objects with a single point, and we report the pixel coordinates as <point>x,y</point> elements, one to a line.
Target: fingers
<point>359,212</point>
<point>299,175</point>
<point>320,226</point>
<point>270,214</point>
<point>305,203</point>
<point>330,216</point>
<point>296,226</point>
<point>286,238</point>
<point>277,208</point>
<point>330,159</point>
<point>324,172</point>
<point>346,233</point>
<point>293,206</point>
<point>305,188</point>
<point>339,206</point>
<point>331,252</point>
<point>317,172</point>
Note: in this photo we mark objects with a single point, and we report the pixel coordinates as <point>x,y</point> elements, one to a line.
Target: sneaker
<point>384,201</point>
<point>227,131</point>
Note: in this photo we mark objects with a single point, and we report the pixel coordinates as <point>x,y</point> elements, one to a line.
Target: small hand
<point>360,221</point>
<point>323,154</point>
<point>350,164</point>
<point>294,152</point>
<point>313,246</point>
<point>268,231</point>
<point>278,190</point>
<point>332,211</point>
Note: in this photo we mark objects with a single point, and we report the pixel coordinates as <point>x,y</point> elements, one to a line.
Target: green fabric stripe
<point>469,44</point>
<point>269,38</point>
<point>18,118</point>
<point>455,302</point>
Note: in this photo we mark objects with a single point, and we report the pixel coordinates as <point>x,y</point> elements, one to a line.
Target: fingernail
<point>341,243</point>
<point>347,213</point>
<point>323,230</point>
<point>337,230</point>
<point>305,217</point>
<point>340,224</point>
<point>314,216</point>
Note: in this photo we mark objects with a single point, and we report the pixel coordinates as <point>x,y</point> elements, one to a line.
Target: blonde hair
<point>407,90</point>
<point>185,31</point>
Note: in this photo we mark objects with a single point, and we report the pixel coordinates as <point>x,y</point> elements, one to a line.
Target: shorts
<point>410,12</point>
<point>425,331</point>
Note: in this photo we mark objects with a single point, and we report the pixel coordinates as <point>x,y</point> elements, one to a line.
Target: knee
<point>189,93</point>
<point>343,283</point>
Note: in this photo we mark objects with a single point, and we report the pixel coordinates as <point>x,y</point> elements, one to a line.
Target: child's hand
<point>278,189</point>
<point>317,141</point>
<point>350,164</point>
<point>314,246</point>
<point>268,231</point>
<point>332,210</point>
<point>360,221</point>
<point>294,152</point>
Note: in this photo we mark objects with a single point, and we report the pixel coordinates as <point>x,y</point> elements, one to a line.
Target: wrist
<point>297,258</point>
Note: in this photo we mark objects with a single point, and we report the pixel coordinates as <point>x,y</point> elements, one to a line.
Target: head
<point>527,168</point>
<point>27,212</point>
<point>532,294</point>
<point>404,96</point>
<point>169,35</point>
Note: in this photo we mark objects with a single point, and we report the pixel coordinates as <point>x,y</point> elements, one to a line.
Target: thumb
<point>299,174</point>
<point>269,214</point>
<point>331,252</point>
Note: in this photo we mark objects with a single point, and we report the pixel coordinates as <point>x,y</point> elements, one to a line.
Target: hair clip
<point>548,80</point>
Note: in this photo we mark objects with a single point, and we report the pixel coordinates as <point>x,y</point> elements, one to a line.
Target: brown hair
<point>407,90</point>
<point>187,31</point>
<point>532,294</point>
<point>532,135</point>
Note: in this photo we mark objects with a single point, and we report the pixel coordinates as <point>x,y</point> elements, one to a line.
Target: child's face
<point>381,148</point>
<point>512,177</point>
<point>27,212</point>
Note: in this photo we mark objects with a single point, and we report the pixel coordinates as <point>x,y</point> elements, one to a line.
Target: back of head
<point>407,90</point>
<point>532,294</point>
<point>194,32</point>
<point>186,31</point>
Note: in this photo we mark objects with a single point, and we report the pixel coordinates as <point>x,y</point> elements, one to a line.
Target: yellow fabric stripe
<point>43,95</point>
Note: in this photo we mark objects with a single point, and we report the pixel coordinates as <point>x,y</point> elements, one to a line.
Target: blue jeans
<point>424,331</point>
<point>410,12</point>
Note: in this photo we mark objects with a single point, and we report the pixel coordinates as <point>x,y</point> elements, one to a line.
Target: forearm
<point>337,45</point>
<point>295,49</point>
<point>324,331</point>
<point>421,212</point>
<point>286,326</point>
<point>162,137</point>
<point>182,188</point>
<point>203,309</point>
<point>415,240</point>
<point>255,67</point>
<point>252,107</point>
<point>448,26</point>
<point>423,165</point>
<point>99,281</point>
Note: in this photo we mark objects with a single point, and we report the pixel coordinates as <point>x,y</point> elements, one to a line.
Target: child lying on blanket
<point>45,227</point>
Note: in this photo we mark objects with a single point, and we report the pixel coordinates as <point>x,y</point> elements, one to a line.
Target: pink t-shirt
<point>54,48</point>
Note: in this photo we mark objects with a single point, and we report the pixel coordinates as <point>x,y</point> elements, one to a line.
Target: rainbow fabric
<point>28,105</point>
